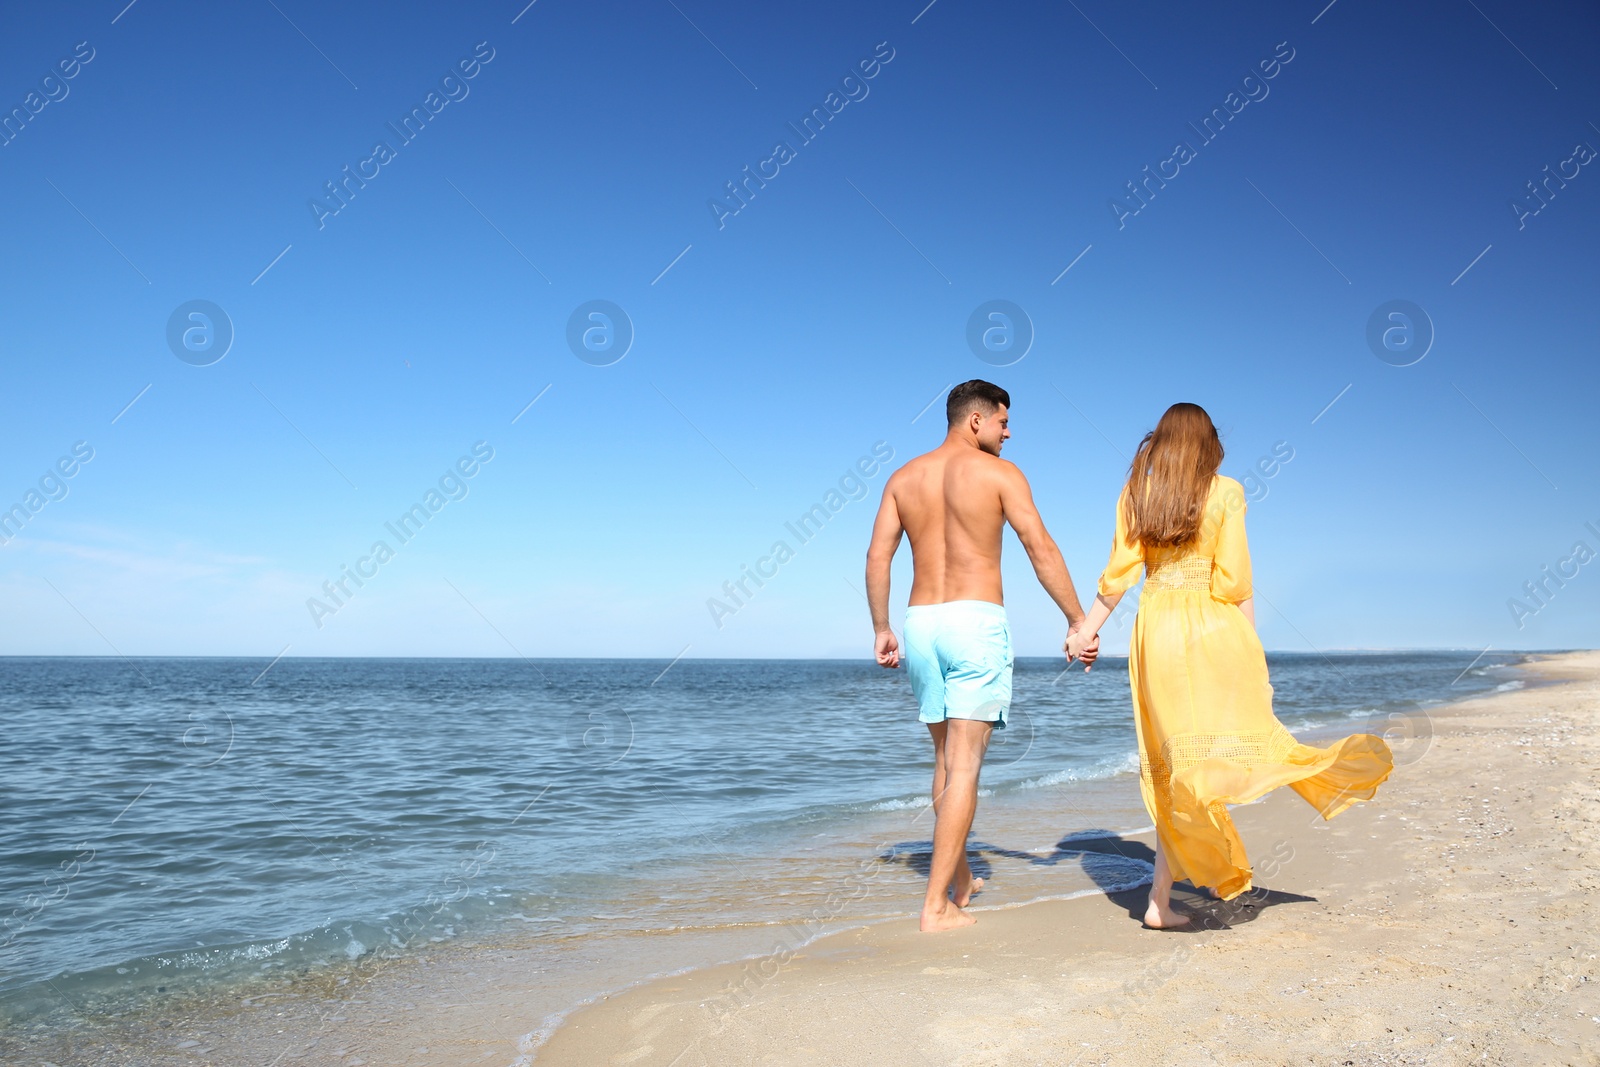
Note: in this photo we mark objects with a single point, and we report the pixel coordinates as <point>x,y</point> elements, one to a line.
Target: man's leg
<point>963,885</point>
<point>958,758</point>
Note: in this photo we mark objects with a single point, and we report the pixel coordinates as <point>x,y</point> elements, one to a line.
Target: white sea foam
<point>1373,715</point>
<point>903,804</point>
<point>1133,882</point>
<point>908,803</point>
<point>1110,767</point>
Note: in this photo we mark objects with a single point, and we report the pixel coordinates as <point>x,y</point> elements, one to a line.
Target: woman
<point>1202,703</point>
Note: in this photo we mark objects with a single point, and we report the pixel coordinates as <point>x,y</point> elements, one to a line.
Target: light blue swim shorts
<point>959,657</point>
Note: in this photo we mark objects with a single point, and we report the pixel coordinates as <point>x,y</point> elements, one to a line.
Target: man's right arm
<point>886,533</point>
<point>1016,500</point>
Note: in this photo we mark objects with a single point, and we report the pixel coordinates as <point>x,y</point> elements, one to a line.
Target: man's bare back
<point>952,503</point>
<point>949,504</point>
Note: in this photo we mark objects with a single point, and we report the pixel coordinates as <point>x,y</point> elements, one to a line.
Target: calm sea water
<point>174,824</point>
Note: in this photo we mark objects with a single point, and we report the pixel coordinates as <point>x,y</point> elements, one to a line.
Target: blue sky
<point>578,163</point>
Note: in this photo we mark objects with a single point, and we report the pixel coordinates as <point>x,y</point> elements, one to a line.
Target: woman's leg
<point>1159,915</point>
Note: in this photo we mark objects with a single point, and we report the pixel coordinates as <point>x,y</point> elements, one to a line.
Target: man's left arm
<point>1016,499</point>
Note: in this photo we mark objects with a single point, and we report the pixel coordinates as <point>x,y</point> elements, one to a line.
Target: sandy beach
<point>1450,921</point>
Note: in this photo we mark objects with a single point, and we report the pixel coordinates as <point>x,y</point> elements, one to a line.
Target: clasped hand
<point>1083,647</point>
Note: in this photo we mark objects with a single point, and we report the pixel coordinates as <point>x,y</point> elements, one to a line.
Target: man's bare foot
<point>1162,917</point>
<point>974,887</point>
<point>948,917</point>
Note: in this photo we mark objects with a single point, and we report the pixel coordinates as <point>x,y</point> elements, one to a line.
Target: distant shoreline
<point>866,659</point>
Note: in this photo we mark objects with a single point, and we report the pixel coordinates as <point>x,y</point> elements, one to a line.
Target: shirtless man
<point>952,502</point>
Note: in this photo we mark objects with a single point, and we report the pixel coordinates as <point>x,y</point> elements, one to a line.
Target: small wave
<point>1506,687</point>
<point>1133,881</point>
<point>908,803</point>
<point>899,805</point>
<point>1128,763</point>
<point>1314,721</point>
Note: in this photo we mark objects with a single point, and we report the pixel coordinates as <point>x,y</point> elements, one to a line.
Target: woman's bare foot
<point>947,917</point>
<point>1159,915</point>
<point>1162,917</point>
<point>974,887</point>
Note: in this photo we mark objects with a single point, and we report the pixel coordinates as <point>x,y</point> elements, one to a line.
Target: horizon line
<point>747,659</point>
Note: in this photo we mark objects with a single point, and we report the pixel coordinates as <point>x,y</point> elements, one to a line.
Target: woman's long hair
<point>1170,478</point>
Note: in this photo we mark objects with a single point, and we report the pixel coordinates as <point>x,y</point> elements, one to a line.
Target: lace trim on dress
<point>1185,572</point>
<point>1186,750</point>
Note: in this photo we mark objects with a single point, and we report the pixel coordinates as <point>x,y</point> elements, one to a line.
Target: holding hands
<point>1082,645</point>
<point>1083,636</point>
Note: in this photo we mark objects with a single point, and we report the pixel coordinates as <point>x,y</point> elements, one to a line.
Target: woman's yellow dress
<point>1203,705</point>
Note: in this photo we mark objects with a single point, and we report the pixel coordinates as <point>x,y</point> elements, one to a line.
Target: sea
<point>185,832</point>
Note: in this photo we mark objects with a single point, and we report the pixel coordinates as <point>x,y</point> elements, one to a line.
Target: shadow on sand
<point>1120,868</point>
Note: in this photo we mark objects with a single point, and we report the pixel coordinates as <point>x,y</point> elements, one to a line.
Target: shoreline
<point>797,1009</point>
<point>351,1014</point>
<point>534,1042</point>
<point>509,1000</point>
<point>319,951</point>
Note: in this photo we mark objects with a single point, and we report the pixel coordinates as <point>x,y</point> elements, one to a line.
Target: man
<point>952,503</point>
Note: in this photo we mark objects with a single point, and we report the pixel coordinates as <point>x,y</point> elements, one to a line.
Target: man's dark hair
<point>976,395</point>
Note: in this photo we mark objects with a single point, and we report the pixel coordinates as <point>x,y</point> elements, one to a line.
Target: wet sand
<point>1452,920</point>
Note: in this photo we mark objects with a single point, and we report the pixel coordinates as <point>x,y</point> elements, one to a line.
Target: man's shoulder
<point>989,473</point>
<point>968,462</point>
<point>910,467</point>
<point>999,467</point>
